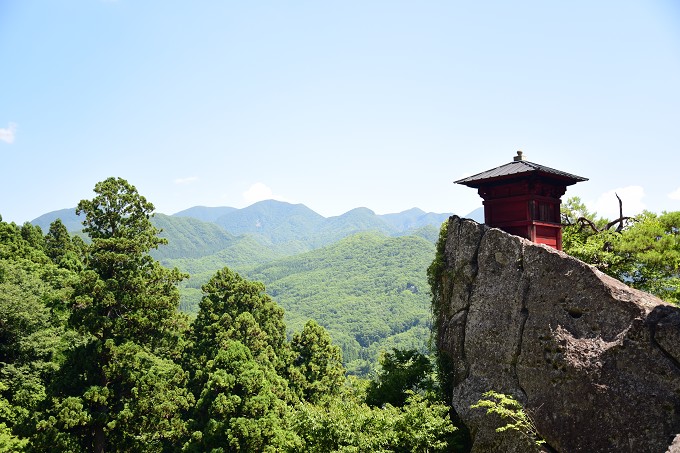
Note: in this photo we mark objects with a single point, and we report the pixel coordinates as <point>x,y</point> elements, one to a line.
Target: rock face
<point>594,362</point>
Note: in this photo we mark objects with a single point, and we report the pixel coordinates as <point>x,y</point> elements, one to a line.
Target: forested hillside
<point>95,355</point>
<point>366,289</point>
<point>296,226</point>
<point>286,228</point>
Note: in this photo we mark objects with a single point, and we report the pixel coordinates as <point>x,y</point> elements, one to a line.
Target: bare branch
<point>583,222</point>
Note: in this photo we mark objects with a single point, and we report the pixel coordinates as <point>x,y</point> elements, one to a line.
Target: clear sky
<point>335,104</point>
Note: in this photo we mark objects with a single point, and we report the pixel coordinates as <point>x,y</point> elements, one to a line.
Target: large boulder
<point>595,363</point>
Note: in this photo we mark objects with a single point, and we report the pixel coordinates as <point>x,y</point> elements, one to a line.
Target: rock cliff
<point>594,362</point>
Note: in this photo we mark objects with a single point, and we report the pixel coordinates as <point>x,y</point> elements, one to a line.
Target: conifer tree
<point>317,370</point>
<point>237,354</point>
<point>119,389</point>
<point>61,249</point>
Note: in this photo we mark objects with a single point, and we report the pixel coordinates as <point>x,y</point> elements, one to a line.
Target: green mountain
<point>68,217</point>
<point>361,275</point>
<point>413,219</point>
<point>270,222</point>
<point>351,222</point>
<point>243,253</point>
<point>368,290</point>
<point>276,221</point>
<point>204,213</point>
<point>189,238</point>
<point>428,232</point>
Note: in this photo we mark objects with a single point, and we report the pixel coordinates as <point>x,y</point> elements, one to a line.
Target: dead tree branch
<point>583,222</point>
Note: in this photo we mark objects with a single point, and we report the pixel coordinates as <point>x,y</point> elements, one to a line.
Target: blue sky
<point>335,104</point>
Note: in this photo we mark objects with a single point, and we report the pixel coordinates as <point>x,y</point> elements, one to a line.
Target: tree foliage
<point>403,372</point>
<point>316,370</point>
<point>348,425</point>
<point>124,306</point>
<point>63,250</point>
<point>94,355</point>
<point>510,411</point>
<point>643,251</point>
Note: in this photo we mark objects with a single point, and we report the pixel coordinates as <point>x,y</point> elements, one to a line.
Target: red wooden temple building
<point>523,198</point>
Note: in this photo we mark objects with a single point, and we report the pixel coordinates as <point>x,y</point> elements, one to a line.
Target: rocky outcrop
<point>595,363</point>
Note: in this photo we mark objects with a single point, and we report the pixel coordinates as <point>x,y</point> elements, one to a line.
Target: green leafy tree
<point>119,388</point>
<point>228,297</point>
<point>237,357</point>
<point>33,235</point>
<point>317,370</point>
<point>402,372</point>
<point>14,246</point>
<point>32,329</point>
<point>30,334</point>
<point>61,249</point>
<point>243,405</point>
<point>650,249</point>
<point>509,410</point>
<point>346,424</point>
<point>643,252</point>
<point>8,440</point>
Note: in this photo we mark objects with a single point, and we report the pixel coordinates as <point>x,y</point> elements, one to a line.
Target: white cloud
<point>258,192</point>
<point>607,205</point>
<point>675,195</point>
<point>7,135</point>
<point>188,180</point>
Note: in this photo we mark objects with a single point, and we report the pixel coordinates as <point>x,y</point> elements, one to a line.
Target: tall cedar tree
<point>403,371</point>
<point>61,248</point>
<point>317,370</point>
<point>238,353</point>
<point>120,389</point>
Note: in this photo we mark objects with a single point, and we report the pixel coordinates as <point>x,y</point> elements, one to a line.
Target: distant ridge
<point>477,215</point>
<point>277,221</point>
<point>204,213</point>
<point>68,217</point>
<point>201,230</point>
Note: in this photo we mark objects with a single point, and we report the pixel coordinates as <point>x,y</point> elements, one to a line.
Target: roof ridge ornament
<point>518,157</point>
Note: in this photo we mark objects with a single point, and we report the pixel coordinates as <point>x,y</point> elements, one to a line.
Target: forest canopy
<point>96,356</point>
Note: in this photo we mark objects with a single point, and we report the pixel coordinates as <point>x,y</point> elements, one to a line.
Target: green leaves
<point>234,308</point>
<point>124,304</point>
<point>317,370</point>
<point>237,355</point>
<point>348,425</point>
<point>118,211</point>
<point>94,355</point>
<point>148,395</point>
<point>645,254</point>
<point>243,404</point>
<point>511,411</point>
<point>402,373</point>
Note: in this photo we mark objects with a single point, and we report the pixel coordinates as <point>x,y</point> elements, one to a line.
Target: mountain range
<point>289,228</point>
<point>361,275</point>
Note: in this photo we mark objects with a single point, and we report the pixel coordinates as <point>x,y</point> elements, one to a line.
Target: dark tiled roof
<point>518,167</point>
